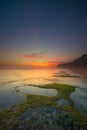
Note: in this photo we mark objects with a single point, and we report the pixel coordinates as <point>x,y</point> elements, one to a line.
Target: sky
<point>42,33</point>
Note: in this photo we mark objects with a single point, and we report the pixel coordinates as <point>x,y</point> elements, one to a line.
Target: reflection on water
<point>37,91</point>
<point>11,79</point>
<point>80,99</point>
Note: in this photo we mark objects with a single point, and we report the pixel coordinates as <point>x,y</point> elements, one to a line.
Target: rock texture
<point>45,118</point>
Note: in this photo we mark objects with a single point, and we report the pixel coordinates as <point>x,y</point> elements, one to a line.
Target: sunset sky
<point>42,33</point>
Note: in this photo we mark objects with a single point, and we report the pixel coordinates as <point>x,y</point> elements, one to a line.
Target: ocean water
<point>15,84</point>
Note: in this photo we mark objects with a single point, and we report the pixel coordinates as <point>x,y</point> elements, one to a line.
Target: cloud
<point>32,55</point>
<point>44,57</point>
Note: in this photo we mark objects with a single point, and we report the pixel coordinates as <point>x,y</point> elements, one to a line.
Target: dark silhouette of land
<point>80,62</point>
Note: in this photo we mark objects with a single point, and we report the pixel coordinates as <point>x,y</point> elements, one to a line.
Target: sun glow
<point>41,64</point>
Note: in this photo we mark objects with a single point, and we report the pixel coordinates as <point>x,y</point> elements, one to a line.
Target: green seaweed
<point>67,76</point>
<point>10,117</point>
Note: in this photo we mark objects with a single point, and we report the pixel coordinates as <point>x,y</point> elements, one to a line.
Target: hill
<point>79,62</point>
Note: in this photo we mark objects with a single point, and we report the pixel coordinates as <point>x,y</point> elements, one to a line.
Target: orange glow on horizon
<point>42,64</point>
<point>31,65</point>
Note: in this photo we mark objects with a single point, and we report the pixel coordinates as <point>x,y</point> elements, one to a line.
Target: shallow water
<point>37,91</point>
<point>14,84</point>
<point>62,102</point>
